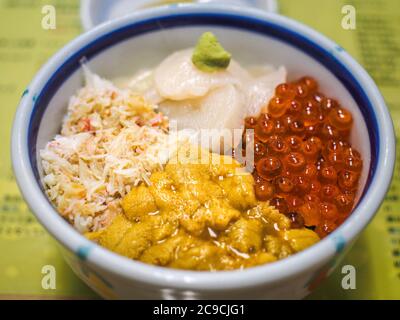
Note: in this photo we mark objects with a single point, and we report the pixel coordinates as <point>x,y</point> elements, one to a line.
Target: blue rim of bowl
<point>307,262</point>
<point>266,28</point>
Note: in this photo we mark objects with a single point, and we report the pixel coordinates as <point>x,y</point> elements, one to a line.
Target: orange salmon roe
<point>305,165</point>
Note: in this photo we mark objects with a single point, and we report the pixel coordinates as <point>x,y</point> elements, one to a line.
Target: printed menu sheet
<point>26,248</point>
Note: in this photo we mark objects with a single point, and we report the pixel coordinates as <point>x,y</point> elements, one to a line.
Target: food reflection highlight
<point>203,164</point>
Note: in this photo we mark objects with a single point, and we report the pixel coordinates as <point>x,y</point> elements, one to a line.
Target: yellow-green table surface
<point>25,247</point>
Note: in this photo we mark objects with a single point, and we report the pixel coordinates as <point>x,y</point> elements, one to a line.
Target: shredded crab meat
<point>111,140</point>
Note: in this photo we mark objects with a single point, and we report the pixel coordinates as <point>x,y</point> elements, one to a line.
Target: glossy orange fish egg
<point>305,164</point>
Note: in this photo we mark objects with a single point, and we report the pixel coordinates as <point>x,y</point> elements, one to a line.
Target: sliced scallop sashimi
<point>177,78</point>
<point>261,89</point>
<point>215,116</point>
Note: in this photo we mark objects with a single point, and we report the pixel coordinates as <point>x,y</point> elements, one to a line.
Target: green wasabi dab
<point>209,55</point>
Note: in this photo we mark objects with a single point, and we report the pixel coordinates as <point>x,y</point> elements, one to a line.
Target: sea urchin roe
<point>204,216</point>
<point>307,156</point>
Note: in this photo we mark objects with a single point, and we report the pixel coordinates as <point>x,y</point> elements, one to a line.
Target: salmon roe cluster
<point>305,165</point>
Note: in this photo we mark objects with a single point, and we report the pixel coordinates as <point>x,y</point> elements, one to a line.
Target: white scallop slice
<point>141,83</point>
<point>177,78</point>
<point>216,115</point>
<point>261,89</point>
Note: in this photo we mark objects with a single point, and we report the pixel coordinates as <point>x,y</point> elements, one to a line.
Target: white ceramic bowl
<point>95,12</point>
<point>119,48</point>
